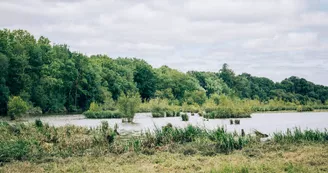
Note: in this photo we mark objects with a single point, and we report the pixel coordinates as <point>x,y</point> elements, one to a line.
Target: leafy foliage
<point>128,105</point>
<point>58,80</point>
<point>16,107</point>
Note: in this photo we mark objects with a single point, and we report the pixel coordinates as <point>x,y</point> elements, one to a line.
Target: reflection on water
<point>264,122</point>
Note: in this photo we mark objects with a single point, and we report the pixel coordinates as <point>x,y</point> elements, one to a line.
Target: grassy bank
<point>292,159</point>
<point>38,147</point>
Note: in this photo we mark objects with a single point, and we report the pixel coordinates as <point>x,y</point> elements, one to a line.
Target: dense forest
<point>56,79</point>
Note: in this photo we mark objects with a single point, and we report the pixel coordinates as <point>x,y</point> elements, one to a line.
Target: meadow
<point>38,147</point>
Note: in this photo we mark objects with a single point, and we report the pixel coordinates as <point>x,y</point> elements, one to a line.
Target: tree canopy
<point>56,79</point>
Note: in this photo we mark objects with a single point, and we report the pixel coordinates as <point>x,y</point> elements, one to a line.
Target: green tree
<point>227,75</point>
<point>198,97</point>
<point>145,78</point>
<point>4,90</point>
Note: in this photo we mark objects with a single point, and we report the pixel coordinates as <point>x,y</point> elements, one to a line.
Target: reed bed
<point>297,135</point>
<point>38,141</point>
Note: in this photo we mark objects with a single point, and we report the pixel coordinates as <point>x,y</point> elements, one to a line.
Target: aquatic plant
<point>170,113</point>
<point>298,135</point>
<point>237,121</point>
<point>128,105</point>
<point>184,117</point>
<point>158,114</point>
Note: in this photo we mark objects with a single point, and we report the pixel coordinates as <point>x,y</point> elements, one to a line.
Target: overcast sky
<point>270,38</point>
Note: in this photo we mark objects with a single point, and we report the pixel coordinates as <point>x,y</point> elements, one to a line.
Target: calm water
<point>264,122</point>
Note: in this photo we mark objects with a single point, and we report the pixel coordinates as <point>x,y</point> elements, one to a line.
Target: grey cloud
<point>271,38</point>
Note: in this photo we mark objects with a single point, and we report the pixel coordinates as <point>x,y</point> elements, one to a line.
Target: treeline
<point>55,79</point>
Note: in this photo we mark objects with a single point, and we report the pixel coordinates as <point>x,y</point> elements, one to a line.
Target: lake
<point>264,122</point>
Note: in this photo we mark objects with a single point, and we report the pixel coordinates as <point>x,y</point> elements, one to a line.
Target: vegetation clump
<point>297,135</point>
<point>128,105</point>
<point>184,116</point>
<point>237,121</point>
<point>304,109</point>
<point>16,107</point>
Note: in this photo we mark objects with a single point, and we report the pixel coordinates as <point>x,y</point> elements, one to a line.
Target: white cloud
<point>292,41</point>
<point>315,18</point>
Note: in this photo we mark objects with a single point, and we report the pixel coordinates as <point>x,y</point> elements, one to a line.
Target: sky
<point>270,38</point>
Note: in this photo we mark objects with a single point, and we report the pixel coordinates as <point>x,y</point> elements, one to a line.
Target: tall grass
<point>298,135</point>
<point>38,140</point>
<point>219,140</point>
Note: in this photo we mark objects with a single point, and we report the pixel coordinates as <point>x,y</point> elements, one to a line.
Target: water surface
<point>264,122</point>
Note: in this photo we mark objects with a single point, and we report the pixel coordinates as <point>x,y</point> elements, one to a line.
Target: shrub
<point>94,107</point>
<point>13,150</point>
<point>304,109</point>
<point>35,111</point>
<point>237,121</point>
<point>184,117</point>
<point>195,108</point>
<point>38,123</point>
<point>16,107</point>
<point>170,113</point>
<point>229,112</point>
<point>109,103</point>
<point>158,114</point>
<point>128,105</point>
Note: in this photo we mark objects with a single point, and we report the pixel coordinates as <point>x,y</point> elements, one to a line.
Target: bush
<point>195,108</point>
<point>158,114</point>
<point>103,114</point>
<point>94,107</point>
<point>170,113</point>
<point>16,107</point>
<point>237,121</point>
<point>38,123</point>
<point>128,105</point>
<point>13,150</point>
<point>304,109</point>
<point>35,111</point>
<point>184,117</point>
<point>228,112</point>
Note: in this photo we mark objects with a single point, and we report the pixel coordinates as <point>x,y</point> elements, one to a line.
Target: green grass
<point>270,158</point>
<point>37,142</point>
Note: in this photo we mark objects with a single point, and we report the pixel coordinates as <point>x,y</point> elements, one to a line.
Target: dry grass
<point>302,158</point>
